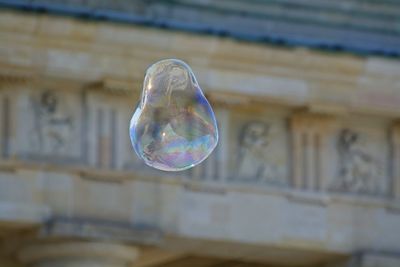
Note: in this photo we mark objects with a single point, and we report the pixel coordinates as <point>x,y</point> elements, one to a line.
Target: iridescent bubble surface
<point>174,127</point>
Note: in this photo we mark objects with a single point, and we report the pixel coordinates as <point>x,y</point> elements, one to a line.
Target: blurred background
<point>307,169</point>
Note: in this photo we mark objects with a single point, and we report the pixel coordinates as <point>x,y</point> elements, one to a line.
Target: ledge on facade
<point>322,198</point>
<point>99,229</point>
<point>87,172</point>
<point>309,197</point>
<point>360,200</point>
<point>86,252</point>
<point>275,254</point>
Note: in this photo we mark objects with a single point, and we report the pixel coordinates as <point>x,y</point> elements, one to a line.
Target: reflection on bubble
<point>173,128</point>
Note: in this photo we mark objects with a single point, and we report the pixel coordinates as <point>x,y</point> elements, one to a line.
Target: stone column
<point>78,254</point>
<point>310,149</point>
<point>395,148</point>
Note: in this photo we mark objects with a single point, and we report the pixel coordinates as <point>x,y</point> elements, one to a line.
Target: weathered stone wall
<point>307,164</point>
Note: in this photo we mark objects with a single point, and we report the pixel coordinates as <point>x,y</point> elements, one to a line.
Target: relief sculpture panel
<point>261,153</point>
<point>54,125</point>
<point>360,170</point>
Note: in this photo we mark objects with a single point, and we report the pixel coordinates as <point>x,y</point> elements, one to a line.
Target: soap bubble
<point>173,127</point>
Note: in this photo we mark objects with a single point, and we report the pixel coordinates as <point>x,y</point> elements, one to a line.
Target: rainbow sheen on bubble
<point>174,127</point>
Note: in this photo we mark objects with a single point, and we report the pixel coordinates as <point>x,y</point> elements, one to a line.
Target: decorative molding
<point>15,76</point>
<point>115,86</point>
<point>313,122</point>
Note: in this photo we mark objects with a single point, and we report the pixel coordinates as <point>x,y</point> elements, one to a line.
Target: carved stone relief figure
<point>359,172</point>
<point>252,161</point>
<point>52,124</point>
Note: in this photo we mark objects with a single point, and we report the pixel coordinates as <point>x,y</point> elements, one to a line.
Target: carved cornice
<point>316,122</point>
<point>12,77</point>
<point>115,86</point>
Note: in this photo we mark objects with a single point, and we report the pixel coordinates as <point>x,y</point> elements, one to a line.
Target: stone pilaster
<point>395,144</point>
<point>215,168</point>
<point>78,254</point>
<point>223,117</point>
<point>310,150</point>
<point>11,80</point>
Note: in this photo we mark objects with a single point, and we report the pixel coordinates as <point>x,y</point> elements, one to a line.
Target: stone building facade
<point>306,173</point>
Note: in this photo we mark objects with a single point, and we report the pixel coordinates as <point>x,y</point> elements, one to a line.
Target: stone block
<point>17,215</point>
<point>89,200</point>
